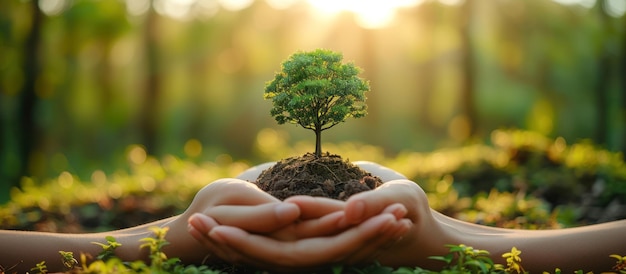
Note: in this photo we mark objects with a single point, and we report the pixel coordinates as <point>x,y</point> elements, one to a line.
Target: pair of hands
<point>239,223</point>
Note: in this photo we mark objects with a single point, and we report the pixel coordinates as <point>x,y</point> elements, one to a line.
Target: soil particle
<point>326,176</point>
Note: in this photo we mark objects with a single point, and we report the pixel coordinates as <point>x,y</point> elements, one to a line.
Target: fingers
<point>198,225</point>
<point>406,196</point>
<point>263,218</point>
<point>277,220</point>
<point>369,251</point>
<point>315,207</point>
<point>306,252</point>
<point>323,226</point>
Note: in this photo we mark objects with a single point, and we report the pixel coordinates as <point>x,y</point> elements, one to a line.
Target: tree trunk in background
<point>603,79</point>
<point>27,130</point>
<point>467,94</point>
<point>426,72</point>
<point>148,116</point>
<point>622,108</point>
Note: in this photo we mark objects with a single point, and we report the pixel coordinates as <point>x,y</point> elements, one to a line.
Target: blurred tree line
<point>81,80</point>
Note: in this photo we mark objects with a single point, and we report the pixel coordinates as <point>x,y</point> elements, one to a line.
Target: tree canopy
<point>317,91</point>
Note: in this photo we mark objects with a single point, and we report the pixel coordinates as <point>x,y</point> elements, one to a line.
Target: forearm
<point>25,249</point>
<point>584,248</point>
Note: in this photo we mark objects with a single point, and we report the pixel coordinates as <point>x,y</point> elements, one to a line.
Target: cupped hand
<point>426,236</point>
<point>326,231</point>
<point>239,246</point>
<point>303,232</point>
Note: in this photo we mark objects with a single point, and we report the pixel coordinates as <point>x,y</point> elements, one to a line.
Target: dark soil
<point>326,176</point>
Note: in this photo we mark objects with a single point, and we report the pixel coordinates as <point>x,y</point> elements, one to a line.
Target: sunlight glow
<point>616,8</point>
<point>178,9</point>
<point>585,3</point>
<point>52,7</point>
<point>189,9</point>
<point>281,4</point>
<point>370,14</point>
<point>235,5</point>
<point>451,2</point>
<point>137,7</point>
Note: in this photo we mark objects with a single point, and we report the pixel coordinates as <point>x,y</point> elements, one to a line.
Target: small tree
<point>316,91</point>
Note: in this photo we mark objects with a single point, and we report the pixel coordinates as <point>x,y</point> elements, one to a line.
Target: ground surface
<point>326,176</point>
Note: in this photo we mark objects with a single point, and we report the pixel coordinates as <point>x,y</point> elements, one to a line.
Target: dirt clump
<point>326,176</point>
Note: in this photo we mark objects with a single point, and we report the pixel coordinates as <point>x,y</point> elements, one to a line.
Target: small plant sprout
<point>513,261</point>
<point>317,91</point>
<point>108,250</point>
<point>68,259</point>
<point>466,259</point>
<point>40,268</point>
<point>620,265</point>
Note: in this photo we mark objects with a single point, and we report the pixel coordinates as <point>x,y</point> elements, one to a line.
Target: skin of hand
<point>377,222</point>
<point>217,231</point>
<point>242,204</point>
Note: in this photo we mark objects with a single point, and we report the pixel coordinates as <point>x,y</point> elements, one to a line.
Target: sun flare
<point>369,14</point>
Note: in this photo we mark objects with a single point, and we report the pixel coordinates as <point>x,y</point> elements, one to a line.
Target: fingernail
<point>400,212</point>
<point>193,221</point>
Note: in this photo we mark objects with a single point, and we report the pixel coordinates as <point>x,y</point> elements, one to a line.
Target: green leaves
<point>466,259</point>
<point>316,91</point>
<point>108,249</point>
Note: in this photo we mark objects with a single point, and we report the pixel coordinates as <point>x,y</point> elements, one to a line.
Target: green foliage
<point>620,265</point>
<point>40,268</point>
<point>68,259</point>
<point>160,262</point>
<point>466,259</point>
<point>125,198</point>
<point>108,249</point>
<point>525,164</point>
<point>316,91</point>
<point>107,262</point>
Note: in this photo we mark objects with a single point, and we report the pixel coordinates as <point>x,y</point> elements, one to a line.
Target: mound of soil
<point>326,176</point>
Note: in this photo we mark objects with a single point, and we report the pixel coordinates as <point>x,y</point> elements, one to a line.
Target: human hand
<point>238,203</point>
<point>239,246</point>
<point>427,235</point>
<point>419,234</point>
<point>349,240</point>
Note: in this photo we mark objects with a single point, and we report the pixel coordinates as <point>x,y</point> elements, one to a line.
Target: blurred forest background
<point>83,80</point>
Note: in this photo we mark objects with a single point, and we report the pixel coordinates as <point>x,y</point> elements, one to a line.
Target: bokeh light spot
<point>137,155</point>
<point>193,148</point>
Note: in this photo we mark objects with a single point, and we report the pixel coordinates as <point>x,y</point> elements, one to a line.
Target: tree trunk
<point>27,131</point>
<point>622,108</point>
<point>318,142</point>
<point>148,119</point>
<point>603,79</point>
<point>467,92</point>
